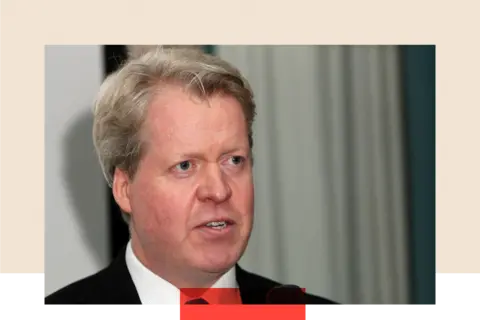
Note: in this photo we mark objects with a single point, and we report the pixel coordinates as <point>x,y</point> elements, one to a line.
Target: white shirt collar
<point>152,289</point>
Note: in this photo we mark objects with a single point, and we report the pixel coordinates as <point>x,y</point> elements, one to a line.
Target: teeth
<point>217,224</point>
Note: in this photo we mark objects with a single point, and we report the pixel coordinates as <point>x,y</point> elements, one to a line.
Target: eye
<point>237,160</point>
<point>183,166</point>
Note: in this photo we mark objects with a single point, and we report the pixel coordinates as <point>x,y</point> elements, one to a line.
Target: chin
<point>217,269</point>
<point>217,262</point>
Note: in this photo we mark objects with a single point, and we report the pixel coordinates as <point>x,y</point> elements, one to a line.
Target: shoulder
<point>83,291</point>
<point>109,290</point>
<point>260,286</point>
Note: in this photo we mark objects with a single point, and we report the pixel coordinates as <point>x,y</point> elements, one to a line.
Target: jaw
<point>198,262</point>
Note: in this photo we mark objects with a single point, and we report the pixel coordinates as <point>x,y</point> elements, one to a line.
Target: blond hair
<point>123,99</point>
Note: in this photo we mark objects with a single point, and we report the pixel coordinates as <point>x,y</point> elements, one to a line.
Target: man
<point>173,133</point>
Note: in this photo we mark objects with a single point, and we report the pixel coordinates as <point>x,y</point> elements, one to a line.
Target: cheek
<point>155,208</point>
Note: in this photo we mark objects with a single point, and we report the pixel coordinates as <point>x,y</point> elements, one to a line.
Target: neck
<point>178,276</point>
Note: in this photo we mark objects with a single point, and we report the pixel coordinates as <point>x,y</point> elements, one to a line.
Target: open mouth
<point>217,225</point>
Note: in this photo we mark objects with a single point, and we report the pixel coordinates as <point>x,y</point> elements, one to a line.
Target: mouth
<point>218,225</point>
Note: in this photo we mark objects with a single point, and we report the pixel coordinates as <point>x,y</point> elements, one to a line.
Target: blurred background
<point>344,168</point>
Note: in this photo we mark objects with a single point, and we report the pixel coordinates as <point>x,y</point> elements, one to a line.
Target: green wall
<point>418,71</point>
<point>209,49</point>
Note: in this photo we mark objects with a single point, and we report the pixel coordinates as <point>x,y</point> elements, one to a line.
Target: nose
<point>213,186</point>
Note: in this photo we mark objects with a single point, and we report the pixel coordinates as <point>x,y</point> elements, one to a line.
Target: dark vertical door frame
<point>114,56</point>
<point>418,81</point>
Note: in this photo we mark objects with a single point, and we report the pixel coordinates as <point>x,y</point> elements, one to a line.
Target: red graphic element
<point>242,312</point>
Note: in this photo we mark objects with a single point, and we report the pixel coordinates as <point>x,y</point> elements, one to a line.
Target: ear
<point>121,190</point>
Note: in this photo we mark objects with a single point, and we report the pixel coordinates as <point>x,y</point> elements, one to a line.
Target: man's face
<point>196,169</point>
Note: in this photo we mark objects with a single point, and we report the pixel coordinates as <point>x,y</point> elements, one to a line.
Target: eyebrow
<point>199,155</point>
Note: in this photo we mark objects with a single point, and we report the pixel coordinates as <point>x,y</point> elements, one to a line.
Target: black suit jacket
<point>114,285</point>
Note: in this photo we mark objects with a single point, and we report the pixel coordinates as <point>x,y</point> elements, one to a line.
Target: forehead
<point>176,116</point>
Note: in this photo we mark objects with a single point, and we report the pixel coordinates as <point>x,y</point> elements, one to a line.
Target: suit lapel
<point>251,291</point>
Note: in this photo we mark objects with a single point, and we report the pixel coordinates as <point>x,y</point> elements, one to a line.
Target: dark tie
<point>197,301</point>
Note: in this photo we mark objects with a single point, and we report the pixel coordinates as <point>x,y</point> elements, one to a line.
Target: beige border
<point>26,26</point>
